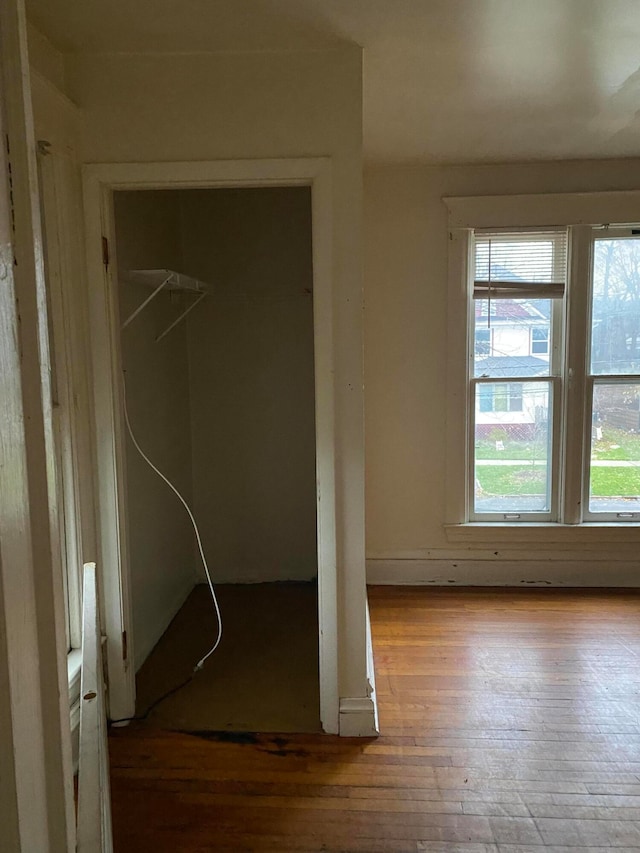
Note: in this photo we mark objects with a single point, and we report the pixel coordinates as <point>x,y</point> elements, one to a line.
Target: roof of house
<point>507,366</point>
<point>509,310</point>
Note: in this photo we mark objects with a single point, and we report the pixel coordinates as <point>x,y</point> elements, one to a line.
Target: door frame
<point>99,183</point>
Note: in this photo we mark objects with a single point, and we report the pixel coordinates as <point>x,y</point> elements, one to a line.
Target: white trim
<point>574,402</point>
<point>36,790</point>
<point>458,331</point>
<point>544,533</point>
<point>542,210</point>
<point>371,673</point>
<point>94,794</point>
<point>99,182</point>
<point>109,451</point>
<point>358,717</point>
<point>68,362</point>
<point>512,573</point>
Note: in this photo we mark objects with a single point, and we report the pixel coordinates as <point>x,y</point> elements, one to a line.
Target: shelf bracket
<point>144,304</point>
<point>182,316</point>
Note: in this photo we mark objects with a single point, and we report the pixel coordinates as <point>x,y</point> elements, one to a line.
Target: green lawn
<point>527,480</point>
<point>615,444</point>
<point>512,450</point>
<point>623,482</point>
<point>511,479</point>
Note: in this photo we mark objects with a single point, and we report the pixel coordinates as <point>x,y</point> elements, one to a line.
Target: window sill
<point>543,532</point>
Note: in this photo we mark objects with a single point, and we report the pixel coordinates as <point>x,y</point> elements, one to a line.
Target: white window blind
<point>520,265</point>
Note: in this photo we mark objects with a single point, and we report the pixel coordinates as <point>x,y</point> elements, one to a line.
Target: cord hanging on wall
<point>169,281</point>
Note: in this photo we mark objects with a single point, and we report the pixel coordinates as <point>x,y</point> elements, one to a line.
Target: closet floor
<point>264,675</point>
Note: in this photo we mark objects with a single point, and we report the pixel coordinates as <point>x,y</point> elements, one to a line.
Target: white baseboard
<point>371,673</point>
<point>359,715</point>
<point>142,649</point>
<point>516,573</point>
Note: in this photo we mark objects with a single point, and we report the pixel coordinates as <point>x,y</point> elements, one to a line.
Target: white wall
<point>161,550</point>
<point>405,370</point>
<point>204,107</point>
<point>252,382</point>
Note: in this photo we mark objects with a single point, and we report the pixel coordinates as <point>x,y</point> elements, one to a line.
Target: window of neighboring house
<point>536,451</point>
<point>500,398</point>
<point>540,340</point>
<point>483,341</point>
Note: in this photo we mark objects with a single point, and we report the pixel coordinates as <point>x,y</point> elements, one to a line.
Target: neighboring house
<point>511,341</point>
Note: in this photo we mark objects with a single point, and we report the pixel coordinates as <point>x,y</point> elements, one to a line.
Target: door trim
<point>99,183</point>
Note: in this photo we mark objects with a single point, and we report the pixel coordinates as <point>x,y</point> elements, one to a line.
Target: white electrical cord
<point>202,661</point>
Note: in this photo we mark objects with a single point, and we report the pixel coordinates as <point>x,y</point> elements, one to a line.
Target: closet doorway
<point>215,299</point>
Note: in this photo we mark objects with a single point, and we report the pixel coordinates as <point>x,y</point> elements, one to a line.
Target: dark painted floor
<point>264,675</point>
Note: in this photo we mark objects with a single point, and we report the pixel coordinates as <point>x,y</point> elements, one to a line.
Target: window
<point>553,378</point>
<point>613,376</point>
<point>540,340</point>
<point>500,398</point>
<point>483,341</point>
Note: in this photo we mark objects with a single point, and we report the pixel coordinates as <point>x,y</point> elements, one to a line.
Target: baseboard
<point>144,649</point>
<point>516,573</point>
<point>371,672</point>
<point>359,715</point>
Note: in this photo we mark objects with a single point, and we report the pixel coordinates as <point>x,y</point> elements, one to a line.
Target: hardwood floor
<point>510,722</point>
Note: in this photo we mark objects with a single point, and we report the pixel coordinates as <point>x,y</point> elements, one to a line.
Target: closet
<point>217,350</point>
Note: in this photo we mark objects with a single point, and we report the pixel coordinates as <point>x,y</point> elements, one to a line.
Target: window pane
<point>614,481</point>
<point>503,337</point>
<point>540,340</point>
<point>483,341</point>
<point>535,258</point>
<point>512,447</point>
<point>615,326</point>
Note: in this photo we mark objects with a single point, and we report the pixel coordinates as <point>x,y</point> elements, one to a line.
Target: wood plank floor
<point>510,722</point>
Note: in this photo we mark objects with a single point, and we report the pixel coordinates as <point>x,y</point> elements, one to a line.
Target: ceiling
<point>445,80</point>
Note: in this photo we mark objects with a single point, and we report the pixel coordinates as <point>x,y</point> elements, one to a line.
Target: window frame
<point>61,327</point>
<point>580,212</point>
<point>553,379</point>
<point>544,341</point>
<point>489,342</point>
<point>593,379</point>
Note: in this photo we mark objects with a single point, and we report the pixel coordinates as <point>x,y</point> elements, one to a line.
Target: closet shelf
<point>168,280</point>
